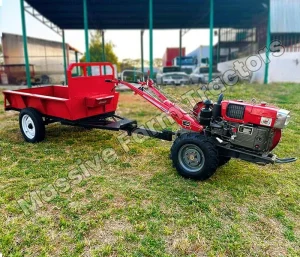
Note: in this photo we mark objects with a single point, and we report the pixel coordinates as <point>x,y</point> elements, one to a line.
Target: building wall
<point>282,69</point>
<point>285,16</point>
<point>46,56</point>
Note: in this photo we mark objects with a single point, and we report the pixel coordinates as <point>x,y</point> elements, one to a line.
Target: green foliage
<point>96,50</point>
<point>158,62</point>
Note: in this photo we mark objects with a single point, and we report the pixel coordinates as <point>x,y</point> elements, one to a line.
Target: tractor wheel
<point>223,160</point>
<point>32,125</point>
<point>194,156</point>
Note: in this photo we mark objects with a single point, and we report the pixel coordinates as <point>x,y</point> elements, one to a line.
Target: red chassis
<point>211,135</point>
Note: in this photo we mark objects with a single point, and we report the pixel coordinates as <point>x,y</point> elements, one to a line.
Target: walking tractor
<point>211,134</point>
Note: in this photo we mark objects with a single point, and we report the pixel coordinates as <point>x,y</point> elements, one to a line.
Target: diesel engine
<point>248,126</point>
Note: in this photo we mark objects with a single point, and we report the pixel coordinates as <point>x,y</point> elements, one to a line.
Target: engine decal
<point>265,121</point>
<point>186,123</point>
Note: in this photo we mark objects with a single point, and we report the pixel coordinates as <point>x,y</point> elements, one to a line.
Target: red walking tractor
<point>211,134</point>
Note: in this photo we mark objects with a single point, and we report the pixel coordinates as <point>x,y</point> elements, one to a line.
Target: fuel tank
<point>249,113</point>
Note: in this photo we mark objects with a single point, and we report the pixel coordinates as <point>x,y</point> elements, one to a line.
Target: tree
<point>157,62</point>
<point>96,53</point>
<point>130,64</point>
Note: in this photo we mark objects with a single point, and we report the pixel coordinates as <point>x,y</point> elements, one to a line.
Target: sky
<point>127,42</point>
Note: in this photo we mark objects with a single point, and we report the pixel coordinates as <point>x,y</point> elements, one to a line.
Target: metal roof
<point>167,14</point>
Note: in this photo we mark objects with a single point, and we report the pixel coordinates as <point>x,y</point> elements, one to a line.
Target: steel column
<point>211,38</point>
<point>180,47</point>
<point>86,31</point>
<point>65,56</point>
<point>142,52</point>
<point>266,79</point>
<point>103,46</point>
<point>27,68</point>
<point>218,53</point>
<point>76,59</point>
<point>151,37</point>
<point>103,50</point>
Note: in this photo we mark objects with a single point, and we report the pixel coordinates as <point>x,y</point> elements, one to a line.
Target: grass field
<point>83,204</point>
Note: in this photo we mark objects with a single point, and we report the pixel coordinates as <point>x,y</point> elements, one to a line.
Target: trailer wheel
<point>194,156</point>
<point>32,125</point>
<point>223,160</point>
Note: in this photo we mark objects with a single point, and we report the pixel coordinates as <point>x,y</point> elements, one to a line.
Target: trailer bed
<point>85,96</point>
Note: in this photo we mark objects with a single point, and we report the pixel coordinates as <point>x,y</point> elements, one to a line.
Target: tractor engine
<point>248,126</point>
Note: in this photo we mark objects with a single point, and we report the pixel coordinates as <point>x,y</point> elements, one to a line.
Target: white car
<point>172,76</point>
<point>130,76</point>
<point>201,75</point>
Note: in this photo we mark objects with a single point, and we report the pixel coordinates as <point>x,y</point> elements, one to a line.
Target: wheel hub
<point>28,126</point>
<point>191,157</point>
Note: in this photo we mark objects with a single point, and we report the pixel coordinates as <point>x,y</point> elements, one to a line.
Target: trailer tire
<point>194,156</point>
<point>32,125</point>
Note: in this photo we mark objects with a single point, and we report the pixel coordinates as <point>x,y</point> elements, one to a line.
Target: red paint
<point>276,138</point>
<point>170,54</point>
<point>253,113</point>
<point>85,96</point>
<point>88,96</point>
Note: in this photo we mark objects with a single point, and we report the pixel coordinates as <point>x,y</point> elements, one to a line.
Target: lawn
<point>83,195</point>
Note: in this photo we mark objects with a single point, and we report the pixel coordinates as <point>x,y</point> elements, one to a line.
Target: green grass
<point>138,205</point>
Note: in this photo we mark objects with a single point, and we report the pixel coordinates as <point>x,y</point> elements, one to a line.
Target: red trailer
<point>88,101</point>
<point>170,54</point>
<point>212,133</point>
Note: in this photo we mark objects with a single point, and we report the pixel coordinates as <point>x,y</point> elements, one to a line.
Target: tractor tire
<point>223,160</point>
<point>194,156</point>
<point>32,125</point>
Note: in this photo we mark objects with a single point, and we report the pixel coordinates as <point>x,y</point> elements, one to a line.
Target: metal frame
<point>86,31</point>
<point>151,37</point>
<point>28,76</point>
<point>103,46</point>
<point>266,78</point>
<point>26,8</point>
<point>211,38</point>
<point>116,124</point>
<point>65,56</point>
<point>180,47</point>
<point>30,10</point>
<point>34,13</point>
<point>142,51</point>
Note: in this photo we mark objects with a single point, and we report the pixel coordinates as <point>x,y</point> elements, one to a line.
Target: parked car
<point>172,76</point>
<point>201,75</point>
<point>131,76</point>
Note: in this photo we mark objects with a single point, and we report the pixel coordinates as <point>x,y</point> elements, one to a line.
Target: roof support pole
<point>180,47</point>
<point>266,79</point>
<point>211,38</point>
<point>103,50</point>
<point>103,46</point>
<point>86,31</point>
<point>151,37</point>
<point>219,39</point>
<point>76,59</point>
<point>27,68</point>
<point>65,56</point>
<point>142,52</point>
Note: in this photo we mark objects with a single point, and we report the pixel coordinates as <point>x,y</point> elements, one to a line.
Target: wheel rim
<point>28,126</point>
<point>191,157</point>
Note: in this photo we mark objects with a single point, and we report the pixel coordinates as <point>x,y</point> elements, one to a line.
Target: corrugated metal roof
<point>167,14</point>
<point>285,16</point>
